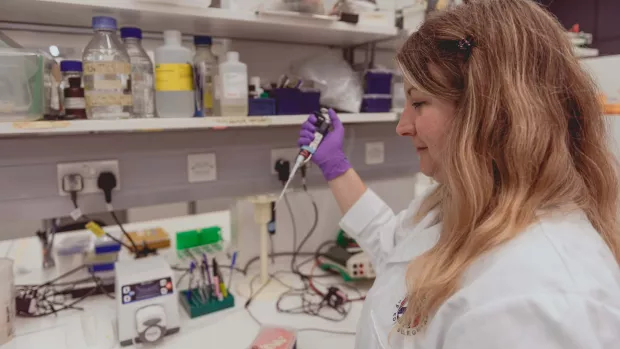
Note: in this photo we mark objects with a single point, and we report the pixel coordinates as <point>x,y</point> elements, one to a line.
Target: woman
<point>518,245</point>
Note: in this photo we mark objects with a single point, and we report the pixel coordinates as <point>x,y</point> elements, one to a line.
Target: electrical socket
<point>289,154</point>
<point>90,171</point>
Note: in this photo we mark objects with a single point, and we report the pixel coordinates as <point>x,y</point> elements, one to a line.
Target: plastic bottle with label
<point>233,77</point>
<point>205,65</point>
<point>107,73</point>
<point>174,83</point>
<point>142,87</point>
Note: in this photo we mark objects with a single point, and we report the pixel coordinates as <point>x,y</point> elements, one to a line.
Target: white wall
<point>269,61</point>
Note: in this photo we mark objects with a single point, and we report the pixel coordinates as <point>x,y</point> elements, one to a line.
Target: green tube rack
<point>207,240</point>
<point>198,237</point>
<point>196,307</point>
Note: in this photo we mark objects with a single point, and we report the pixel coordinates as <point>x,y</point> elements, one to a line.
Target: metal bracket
<point>369,51</point>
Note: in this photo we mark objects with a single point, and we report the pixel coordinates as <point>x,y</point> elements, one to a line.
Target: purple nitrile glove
<point>329,156</point>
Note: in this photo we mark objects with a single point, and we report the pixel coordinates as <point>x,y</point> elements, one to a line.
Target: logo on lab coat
<point>407,329</point>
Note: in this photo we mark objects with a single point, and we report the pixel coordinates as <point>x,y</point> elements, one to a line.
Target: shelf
<point>23,128</point>
<point>191,20</point>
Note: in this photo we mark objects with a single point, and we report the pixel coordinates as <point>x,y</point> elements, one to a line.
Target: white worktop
<point>232,328</point>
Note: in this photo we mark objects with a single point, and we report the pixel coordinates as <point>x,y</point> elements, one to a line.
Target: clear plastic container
<point>70,252</point>
<point>205,64</point>
<point>234,86</point>
<point>28,84</point>
<point>142,88</point>
<point>107,73</point>
<point>174,86</point>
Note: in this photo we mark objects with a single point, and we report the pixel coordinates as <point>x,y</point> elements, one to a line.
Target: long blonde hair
<point>528,135</point>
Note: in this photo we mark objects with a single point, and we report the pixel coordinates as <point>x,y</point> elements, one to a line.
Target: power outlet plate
<point>90,171</point>
<point>289,154</point>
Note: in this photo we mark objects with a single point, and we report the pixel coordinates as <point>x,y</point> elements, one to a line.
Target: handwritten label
<point>110,67</point>
<point>242,121</point>
<point>103,99</point>
<point>40,124</point>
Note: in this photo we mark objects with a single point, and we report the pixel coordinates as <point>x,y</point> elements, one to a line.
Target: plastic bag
<point>340,86</point>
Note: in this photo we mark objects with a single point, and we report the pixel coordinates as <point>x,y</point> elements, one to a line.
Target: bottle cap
<point>202,40</point>
<point>75,82</point>
<point>232,56</point>
<point>172,37</point>
<point>104,22</point>
<point>131,32</point>
<point>68,65</point>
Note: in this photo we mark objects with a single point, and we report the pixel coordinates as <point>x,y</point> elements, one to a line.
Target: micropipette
<point>322,124</point>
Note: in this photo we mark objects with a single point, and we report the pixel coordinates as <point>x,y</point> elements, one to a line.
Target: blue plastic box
<point>377,104</point>
<point>293,101</point>
<point>378,82</point>
<point>261,106</point>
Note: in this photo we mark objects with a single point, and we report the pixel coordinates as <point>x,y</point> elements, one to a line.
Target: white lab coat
<point>555,286</point>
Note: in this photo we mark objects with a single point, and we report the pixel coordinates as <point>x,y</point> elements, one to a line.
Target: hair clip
<point>466,44</point>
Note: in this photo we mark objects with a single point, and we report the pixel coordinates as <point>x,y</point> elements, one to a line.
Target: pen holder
<point>197,308</point>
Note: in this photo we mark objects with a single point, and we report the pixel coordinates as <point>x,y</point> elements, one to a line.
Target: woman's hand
<point>329,156</point>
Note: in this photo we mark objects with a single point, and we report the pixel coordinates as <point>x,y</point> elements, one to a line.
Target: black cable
<point>279,254</point>
<point>309,306</point>
<point>181,278</point>
<point>101,287</point>
<point>53,233</point>
<point>307,236</point>
<point>74,195</point>
<point>120,225</point>
<point>65,307</point>
<point>46,296</point>
<point>118,241</point>
<point>72,271</point>
<point>253,317</point>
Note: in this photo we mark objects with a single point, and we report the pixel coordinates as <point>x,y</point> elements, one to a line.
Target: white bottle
<point>233,76</point>
<point>174,83</point>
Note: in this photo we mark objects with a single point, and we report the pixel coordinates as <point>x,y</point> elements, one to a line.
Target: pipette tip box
<point>197,308</point>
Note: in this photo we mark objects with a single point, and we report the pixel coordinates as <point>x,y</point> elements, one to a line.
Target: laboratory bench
<point>95,325</point>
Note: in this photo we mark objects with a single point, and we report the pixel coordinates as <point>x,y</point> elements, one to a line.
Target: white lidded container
<point>233,94</point>
<point>174,84</point>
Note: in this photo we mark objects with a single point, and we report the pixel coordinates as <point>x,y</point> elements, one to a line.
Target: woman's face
<point>426,120</point>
